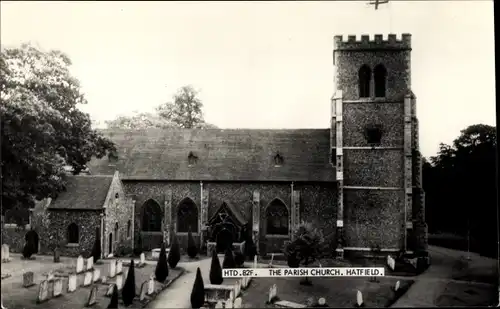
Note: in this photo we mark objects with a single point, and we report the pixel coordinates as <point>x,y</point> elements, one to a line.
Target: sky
<point>262,64</point>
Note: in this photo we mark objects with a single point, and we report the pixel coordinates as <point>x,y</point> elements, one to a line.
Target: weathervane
<point>377,2</point>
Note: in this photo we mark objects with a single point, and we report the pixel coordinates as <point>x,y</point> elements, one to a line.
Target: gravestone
<point>28,279</point>
<point>119,267</point>
<point>5,253</point>
<point>109,291</point>
<point>142,262</point>
<point>397,286</point>
<point>237,288</point>
<point>92,297</point>
<point>97,275</point>
<point>57,256</point>
<point>359,299</point>
<point>43,292</point>
<point>273,291</point>
<point>219,305</point>
<point>112,269</point>
<point>50,276</point>
<point>72,283</point>
<point>104,279</point>
<point>255,262</point>
<point>87,280</point>
<point>90,263</point>
<point>144,290</point>
<point>228,304</point>
<point>151,286</point>
<point>119,281</point>
<point>58,287</point>
<point>231,296</point>
<point>79,265</point>
<point>237,303</point>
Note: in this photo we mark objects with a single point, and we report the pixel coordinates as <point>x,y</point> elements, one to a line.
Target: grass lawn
<point>14,296</point>
<point>338,292</point>
<point>456,294</point>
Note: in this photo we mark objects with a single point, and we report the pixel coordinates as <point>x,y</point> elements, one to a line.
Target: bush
<point>96,250</point>
<point>239,259</point>
<point>161,271</point>
<point>175,252</point>
<point>113,304</point>
<point>128,291</point>
<point>228,259</point>
<point>198,292</point>
<point>215,270</point>
<point>192,250</point>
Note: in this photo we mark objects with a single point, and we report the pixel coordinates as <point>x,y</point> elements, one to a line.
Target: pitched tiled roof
<point>219,154</point>
<point>83,193</point>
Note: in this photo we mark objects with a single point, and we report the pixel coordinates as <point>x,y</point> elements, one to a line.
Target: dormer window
<point>373,134</point>
<point>278,159</point>
<point>192,159</point>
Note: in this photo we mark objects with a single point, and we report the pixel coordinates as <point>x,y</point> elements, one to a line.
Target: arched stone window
<point>129,229</point>
<point>380,77</point>
<point>365,76</point>
<point>187,216</point>
<point>73,234</point>
<point>151,216</point>
<point>277,218</point>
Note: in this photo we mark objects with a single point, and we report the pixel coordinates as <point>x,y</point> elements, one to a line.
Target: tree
<point>113,304</point>
<point>228,261</point>
<point>139,121</point>
<point>192,249</point>
<point>128,291</point>
<point>174,256</point>
<point>161,271</point>
<point>307,247</point>
<point>42,128</point>
<point>215,269</point>
<point>198,291</point>
<point>96,250</point>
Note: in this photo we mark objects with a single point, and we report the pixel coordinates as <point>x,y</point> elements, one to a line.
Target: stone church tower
<point>374,147</point>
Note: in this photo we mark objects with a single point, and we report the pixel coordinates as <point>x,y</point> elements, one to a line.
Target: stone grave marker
<point>72,283</point>
<point>392,263</point>
<point>79,265</point>
<point>50,276</point>
<point>271,262</point>
<point>87,280</point>
<point>237,303</point>
<point>119,282</point>
<point>28,279</point>
<point>109,291</point>
<point>92,296</point>
<point>5,253</point>
<point>397,286</point>
<point>58,287</point>
<point>255,262</point>
<point>151,286</point>
<point>57,256</point>
<point>104,279</point>
<point>219,305</point>
<point>97,275</point>
<point>112,269</point>
<point>119,267</point>
<point>359,299</point>
<point>273,291</point>
<point>228,304</point>
<point>90,263</point>
<point>142,262</point>
<point>231,296</point>
<point>237,288</point>
<point>144,291</point>
<point>43,292</point>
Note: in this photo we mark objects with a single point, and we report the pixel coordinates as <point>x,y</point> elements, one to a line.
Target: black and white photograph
<point>248,154</point>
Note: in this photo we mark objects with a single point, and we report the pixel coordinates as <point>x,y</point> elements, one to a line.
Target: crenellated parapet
<point>378,42</point>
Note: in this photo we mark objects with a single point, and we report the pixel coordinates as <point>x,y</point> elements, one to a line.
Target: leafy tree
<point>228,261</point>
<point>192,249</point>
<point>113,304</point>
<point>307,247</point>
<point>198,291</point>
<point>128,291</point>
<point>96,250</point>
<point>139,121</point>
<point>42,129</point>
<point>215,269</point>
<point>161,271</point>
<point>174,256</point>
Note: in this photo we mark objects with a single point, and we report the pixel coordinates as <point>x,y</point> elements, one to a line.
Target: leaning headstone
<point>90,263</point>
<point>50,276</point>
<point>228,304</point>
<point>255,262</point>
<point>231,295</point>
<point>92,297</point>
<point>119,267</point>
<point>237,288</point>
<point>97,275</point>
<point>144,290</point>
<point>112,269</point>
<point>79,265</point>
<point>397,286</point>
<point>142,262</point>
<point>72,281</point>
<point>219,305</point>
<point>5,253</point>
<point>57,256</point>
<point>109,291</point>
<point>58,286</point>
<point>359,299</point>
<point>87,280</point>
<point>237,303</point>
<point>119,282</point>
<point>151,286</point>
<point>28,279</point>
<point>43,291</point>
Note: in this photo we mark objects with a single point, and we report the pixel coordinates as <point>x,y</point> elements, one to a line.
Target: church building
<point>358,181</point>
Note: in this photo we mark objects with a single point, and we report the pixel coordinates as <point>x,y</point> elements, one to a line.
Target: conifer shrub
<point>174,256</point>
<point>198,292</point>
<point>128,291</point>
<point>161,271</point>
<point>215,269</point>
